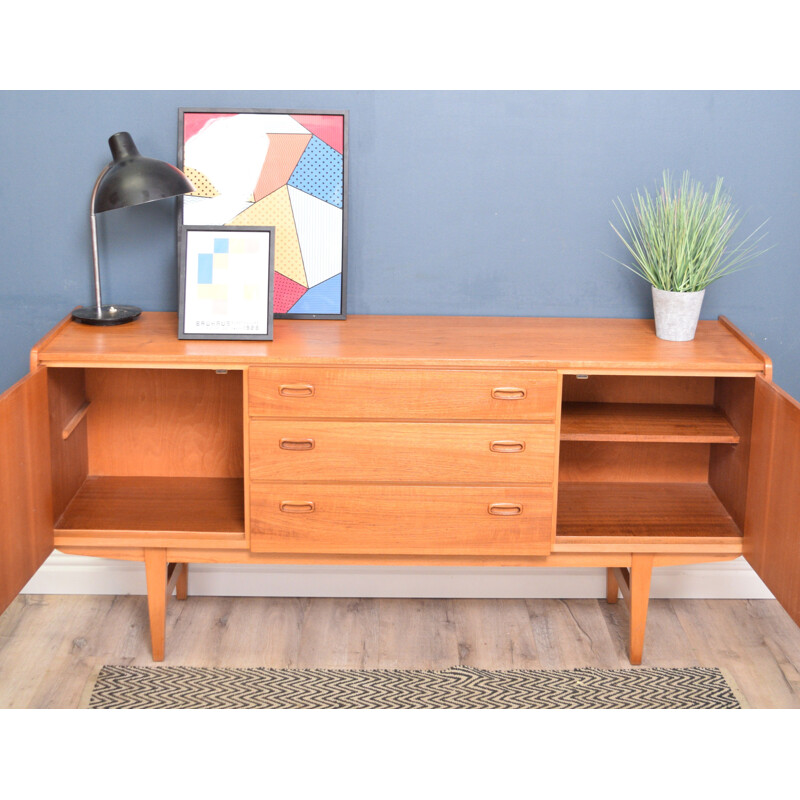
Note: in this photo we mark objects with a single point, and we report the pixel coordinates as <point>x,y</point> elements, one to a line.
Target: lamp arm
<point>93,226</point>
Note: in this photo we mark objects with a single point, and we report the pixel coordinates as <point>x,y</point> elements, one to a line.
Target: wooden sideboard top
<point>570,344</point>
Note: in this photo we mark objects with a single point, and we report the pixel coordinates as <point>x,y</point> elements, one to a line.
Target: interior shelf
<point>204,506</point>
<point>637,510</point>
<point>645,422</point>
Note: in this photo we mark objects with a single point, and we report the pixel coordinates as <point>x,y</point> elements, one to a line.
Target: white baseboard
<point>63,574</point>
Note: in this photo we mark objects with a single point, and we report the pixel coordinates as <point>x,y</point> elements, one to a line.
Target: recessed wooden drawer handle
<point>507,447</point>
<point>508,393</point>
<point>296,390</point>
<point>297,444</point>
<point>505,509</point>
<point>297,507</point>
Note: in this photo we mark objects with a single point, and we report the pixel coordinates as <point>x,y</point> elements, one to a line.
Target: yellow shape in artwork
<point>203,186</point>
<point>220,261</point>
<point>212,291</point>
<point>275,209</point>
<point>250,292</point>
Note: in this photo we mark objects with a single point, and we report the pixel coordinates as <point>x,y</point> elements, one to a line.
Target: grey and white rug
<point>458,687</point>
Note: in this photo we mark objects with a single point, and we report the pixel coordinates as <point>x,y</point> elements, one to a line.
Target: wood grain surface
<point>51,646</point>
<point>639,462</point>
<point>437,452</point>
<point>573,344</point>
<point>26,508</point>
<point>661,510</point>
<point>319,392</point>
<point>640,422</point>
<point>653,389</point>
<point>475,520</point>
<point>155,506</point>
<point>165,422</point>
<point>772,535</point>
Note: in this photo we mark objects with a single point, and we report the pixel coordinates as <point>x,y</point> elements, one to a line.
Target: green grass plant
<point>680,238</point>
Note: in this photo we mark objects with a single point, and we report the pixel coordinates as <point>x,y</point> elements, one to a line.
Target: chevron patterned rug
<point>456,687</point>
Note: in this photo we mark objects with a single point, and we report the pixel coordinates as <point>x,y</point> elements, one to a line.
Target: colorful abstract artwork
<point>226,283</point>
<point>283,169</point>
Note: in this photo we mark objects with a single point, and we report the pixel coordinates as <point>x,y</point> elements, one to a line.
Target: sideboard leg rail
<point>635,587</point>
<point>612,586</point>
<point>162,579</point>
<point>178,579</point>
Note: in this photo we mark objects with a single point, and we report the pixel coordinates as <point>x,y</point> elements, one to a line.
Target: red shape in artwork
<point>194,123</point>
<point>285,150</point>
<point>286,293</point>
<point>328,127</point>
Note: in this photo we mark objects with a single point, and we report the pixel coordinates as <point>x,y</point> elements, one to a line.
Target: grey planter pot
<point>676,314</point>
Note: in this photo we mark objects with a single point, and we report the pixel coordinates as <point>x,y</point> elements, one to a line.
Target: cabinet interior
<point>653,457</point>
<point>150,451</point>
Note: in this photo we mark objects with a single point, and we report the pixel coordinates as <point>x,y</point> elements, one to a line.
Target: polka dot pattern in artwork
<point>275,209</point>
<point>203,186</point>
<point>286,293</point>
<point>320,173</point>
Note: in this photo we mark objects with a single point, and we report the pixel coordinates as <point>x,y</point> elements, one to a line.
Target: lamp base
<point>106,315</point>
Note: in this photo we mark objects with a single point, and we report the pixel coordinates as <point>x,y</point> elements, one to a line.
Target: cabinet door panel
<point>772,519</point>
<point>26,511</point>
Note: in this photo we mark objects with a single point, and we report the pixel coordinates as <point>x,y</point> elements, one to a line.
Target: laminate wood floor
<point>51,645</point>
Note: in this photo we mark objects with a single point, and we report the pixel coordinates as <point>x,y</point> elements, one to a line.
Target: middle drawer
<point>288,450</point>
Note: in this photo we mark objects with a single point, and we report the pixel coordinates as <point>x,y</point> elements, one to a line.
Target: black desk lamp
<point>129,180</point>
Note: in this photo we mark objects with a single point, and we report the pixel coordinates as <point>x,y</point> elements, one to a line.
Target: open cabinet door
<point>772,519</point>
<point>26,506</point>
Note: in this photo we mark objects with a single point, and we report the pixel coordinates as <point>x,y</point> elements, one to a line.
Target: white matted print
<point>226,282</point>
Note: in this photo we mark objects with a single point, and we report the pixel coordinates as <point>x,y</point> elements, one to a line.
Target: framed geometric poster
<point>226,277</point>
<point>284,169</point>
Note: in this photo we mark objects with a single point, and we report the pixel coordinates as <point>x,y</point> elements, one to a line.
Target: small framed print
<point>226,282</point>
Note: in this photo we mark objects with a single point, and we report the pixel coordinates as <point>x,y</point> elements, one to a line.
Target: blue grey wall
<point>483,203</point>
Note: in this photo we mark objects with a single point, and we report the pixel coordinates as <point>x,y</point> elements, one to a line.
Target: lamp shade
<point>132,179</point>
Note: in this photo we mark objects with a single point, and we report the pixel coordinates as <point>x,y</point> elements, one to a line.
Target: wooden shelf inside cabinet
<point>158,505</point>
<point>637,510</point>
<point>645,422</point>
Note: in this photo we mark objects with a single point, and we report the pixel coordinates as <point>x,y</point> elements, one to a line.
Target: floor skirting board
<point>63,574</point>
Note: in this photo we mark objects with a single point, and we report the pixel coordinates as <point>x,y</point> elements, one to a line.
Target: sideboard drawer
<point>436,452</point>
<point>318,392</point>
<point>373,519</point>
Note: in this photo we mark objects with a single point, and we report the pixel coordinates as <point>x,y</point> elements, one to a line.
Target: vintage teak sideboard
<point>402,440</point>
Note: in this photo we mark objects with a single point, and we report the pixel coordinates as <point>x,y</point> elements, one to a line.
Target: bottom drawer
<point>409,520</point>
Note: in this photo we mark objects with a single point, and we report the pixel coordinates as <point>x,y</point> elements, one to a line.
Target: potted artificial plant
<point>680,241</point>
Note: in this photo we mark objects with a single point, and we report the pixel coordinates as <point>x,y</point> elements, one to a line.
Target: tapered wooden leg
<point>641,572</point>
<point>612,586</point>
<point>182,586</point>
<point>155,564</point>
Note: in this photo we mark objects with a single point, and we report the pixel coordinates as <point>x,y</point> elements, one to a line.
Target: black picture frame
<point>309,213</point>
<point>249,248</point>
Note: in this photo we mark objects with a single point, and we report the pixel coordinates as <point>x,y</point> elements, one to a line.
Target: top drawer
<point>367,393</point>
